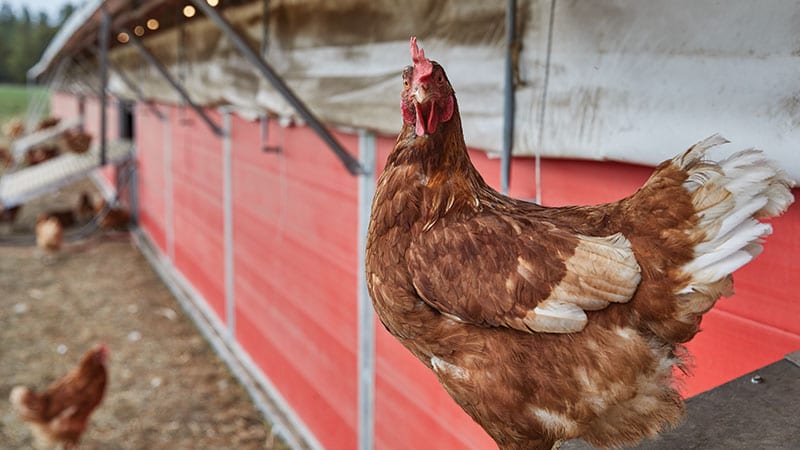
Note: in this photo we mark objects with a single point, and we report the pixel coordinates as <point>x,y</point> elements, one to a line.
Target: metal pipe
<point>366,315</point>
<point>105,26</point>
<point>227,225</point>
<point>277,82</point>
<point>151,59</point>
<point>508,104</point>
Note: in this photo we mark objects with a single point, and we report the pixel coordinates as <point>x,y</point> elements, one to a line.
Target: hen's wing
<point>497,270</point>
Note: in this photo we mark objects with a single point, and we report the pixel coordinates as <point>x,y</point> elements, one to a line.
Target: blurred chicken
<point>8,216</point>
<point>85,208</point>
<point>66,217</point>
<point>14,128</point>
<point>6,159</point>
<point>49,233</point>
<point>77,141</point>
<point>116,218</point>
<point>59,415</point>
<point>40,154</point>
<point>48,122</point>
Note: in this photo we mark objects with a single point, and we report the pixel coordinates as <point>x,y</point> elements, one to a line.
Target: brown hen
<point>547,324</point>
<point>60,414</point>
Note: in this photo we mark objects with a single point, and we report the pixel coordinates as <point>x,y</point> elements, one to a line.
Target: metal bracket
<point>151,59</point>
<point>350,162</point>
<point>264,122</point>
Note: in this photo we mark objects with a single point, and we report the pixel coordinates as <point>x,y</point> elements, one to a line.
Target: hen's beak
<point>421,93</point>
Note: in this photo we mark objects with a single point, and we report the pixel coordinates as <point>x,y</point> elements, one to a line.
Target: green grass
<point>14,100</point>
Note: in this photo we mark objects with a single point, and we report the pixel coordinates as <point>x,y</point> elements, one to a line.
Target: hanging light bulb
<point>188,11</point>
<point>212,3</point>
<point>123,37</point>
<point>138,30</point>
<point>152,24</point>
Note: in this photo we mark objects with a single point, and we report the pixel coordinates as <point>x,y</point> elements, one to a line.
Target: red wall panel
<point>295,256</point>
<point>197,205</point>
<point>151,162</point>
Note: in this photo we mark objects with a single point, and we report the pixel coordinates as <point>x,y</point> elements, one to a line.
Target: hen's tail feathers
<point>728,197</point>
<point>19,398</point>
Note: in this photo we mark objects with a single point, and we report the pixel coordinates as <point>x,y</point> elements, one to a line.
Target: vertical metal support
<point>227,216</point>
<point>134,184</point>
<point>105,26</point>
<point>508,104</point>
<point>82,111</point>
<point>169,212</point>
<point>366,315</point>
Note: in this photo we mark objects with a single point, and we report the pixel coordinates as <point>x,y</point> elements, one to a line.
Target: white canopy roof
<point>627,80</point>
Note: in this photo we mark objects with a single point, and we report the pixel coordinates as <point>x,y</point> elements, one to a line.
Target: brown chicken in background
<point>77,141</point>
<point>60,414</point>
<point>116,218</point>
<point>6,159</point>
<point>547,324</point>
<point>47,122</point>
<point>40,154</point>
<point>49,233</point>
<point>8,216</point>
<point>14,128</point>
<point>85,208</point>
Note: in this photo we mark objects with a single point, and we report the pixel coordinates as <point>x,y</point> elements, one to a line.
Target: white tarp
<point>628,80</point>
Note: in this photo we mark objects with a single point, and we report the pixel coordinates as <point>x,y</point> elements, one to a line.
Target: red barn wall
<point>295,259</point>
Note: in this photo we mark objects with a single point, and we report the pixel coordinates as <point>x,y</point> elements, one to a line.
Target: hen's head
<point>427,99</point>
<point>97,356</point>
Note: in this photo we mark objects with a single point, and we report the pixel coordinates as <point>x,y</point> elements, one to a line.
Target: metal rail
<point>350,162</point>
<point>366,314</point>
<point>105,28</point>
<point>508,104</point>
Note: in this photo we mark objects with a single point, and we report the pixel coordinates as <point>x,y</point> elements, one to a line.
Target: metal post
<point>175,85</point>
<point>508,106</point>
<point>82,111</point>
<point>227,214</point>
<point>169,211</point>
<point>277,82</point>
<point>105,26</point>
<point>366,315</point>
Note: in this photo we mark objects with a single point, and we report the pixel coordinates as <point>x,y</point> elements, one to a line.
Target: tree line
<point>23,37</point>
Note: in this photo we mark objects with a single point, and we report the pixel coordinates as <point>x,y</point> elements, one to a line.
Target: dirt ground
<point>167,388</point>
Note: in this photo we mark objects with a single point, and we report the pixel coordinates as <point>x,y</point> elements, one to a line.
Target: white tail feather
<point>730,196</point>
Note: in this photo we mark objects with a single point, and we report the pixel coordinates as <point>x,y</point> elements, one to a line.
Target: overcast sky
<point>51,7</point>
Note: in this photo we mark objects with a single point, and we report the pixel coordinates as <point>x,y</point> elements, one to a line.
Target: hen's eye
<point>405,83</point>
<point>440,78</point>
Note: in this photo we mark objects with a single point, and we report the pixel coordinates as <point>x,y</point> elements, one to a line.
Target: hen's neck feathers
<point>440,158</point>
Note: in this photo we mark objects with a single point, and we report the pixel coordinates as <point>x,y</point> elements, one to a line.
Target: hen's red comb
<point>422,65</point>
